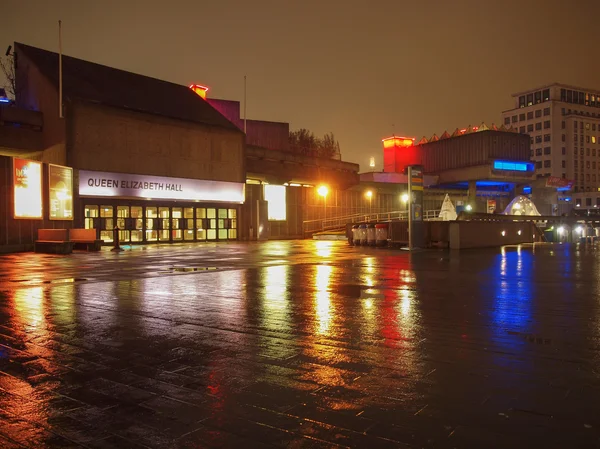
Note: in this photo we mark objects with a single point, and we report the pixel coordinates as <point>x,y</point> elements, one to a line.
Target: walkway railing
<point>330,223</point>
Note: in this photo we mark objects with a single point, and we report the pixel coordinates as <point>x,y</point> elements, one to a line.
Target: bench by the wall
<point>53,241</point>
<point>85,238</point>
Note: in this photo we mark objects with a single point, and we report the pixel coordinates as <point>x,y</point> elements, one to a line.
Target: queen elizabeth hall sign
<point>125,185</point>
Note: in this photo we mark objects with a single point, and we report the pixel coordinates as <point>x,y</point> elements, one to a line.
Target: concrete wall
<point>20,129</point>
<point>478,234</point>
<point>115,140</point>
<point>473,149</point>
<point>260,133</point>
<point>37,93</point>
<point>271,135</point>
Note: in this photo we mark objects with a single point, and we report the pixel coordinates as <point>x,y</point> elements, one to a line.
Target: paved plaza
<point>301,344</point>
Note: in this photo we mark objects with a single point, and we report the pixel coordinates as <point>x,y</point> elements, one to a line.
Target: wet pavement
<point>301,344</point>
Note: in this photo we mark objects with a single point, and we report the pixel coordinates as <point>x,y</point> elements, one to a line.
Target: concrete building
<point>150,157</point>
<point>563,123</point>
<point>481,165</point>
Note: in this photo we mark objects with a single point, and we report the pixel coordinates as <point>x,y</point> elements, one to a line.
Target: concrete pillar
<point>472,195</point>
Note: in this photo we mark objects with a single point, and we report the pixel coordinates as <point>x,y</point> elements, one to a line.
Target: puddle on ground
<point>191,269</point>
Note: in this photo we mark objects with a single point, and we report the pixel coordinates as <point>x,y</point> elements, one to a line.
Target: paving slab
<point>301,344</point>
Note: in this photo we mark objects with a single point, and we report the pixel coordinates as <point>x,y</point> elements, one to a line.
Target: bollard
<point>116,247</point>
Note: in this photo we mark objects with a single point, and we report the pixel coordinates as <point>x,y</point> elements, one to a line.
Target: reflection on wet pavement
<point>301,344</point>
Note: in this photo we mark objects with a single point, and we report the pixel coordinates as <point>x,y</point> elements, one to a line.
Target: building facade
<point>144,155</point>
<point>160,161</point>
<point>563,123</point>
<point>489,164</point>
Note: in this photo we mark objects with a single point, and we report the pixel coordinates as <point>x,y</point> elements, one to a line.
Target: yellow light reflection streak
<point>29,305</point>
<point>323,248</point>
<point>322,299</point>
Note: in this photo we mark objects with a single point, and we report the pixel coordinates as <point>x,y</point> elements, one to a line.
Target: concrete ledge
<point>479,234</point>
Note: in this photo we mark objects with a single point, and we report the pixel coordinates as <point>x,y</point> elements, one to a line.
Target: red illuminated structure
<point>199,89</point>
<point>399,152</point>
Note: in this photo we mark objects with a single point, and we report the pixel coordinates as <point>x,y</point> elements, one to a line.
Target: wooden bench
<point>85,239</point>
<point>53,241</point>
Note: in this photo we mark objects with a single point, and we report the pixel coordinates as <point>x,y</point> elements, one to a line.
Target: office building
<point>563,123</point>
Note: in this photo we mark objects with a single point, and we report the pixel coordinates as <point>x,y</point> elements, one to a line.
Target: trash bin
<point>371,235</point>
<point>362,233</point>
<point>355,237</point>
<point>381,234</point>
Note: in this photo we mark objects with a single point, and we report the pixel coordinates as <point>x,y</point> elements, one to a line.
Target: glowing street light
<point>369,195</point>
<point>404,198</point>
<point>323,191</point>
<point>469,208</point>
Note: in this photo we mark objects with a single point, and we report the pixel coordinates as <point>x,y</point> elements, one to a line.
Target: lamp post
<point>369,195</point>
<point>323,191</point>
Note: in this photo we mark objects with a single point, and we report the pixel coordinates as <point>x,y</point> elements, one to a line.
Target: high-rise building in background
<point>563,123</point>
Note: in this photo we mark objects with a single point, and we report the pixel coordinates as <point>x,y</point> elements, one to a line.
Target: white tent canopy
<point>521,205</point>
<point>448,211</point>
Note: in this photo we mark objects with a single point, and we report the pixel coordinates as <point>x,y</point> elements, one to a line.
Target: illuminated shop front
<point>151,209</point>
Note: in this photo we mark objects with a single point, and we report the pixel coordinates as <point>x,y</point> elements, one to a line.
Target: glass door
<point>211,232</point>
<point>151,224</point>
<point>223,224</point>
<point>164,235</point>
<point>232,214</point>
<point>137,217</point>
<point>106,232</point>
<point>91,217</point>
<point>177,223</point>
<point>122,223</point>
<point>188,215</point>
<point>201,224</point>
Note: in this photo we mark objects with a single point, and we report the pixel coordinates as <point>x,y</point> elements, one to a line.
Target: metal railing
<point>331,223</point>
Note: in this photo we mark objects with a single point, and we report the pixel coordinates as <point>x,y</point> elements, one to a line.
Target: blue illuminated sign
<point>513,166</point>
<point>4,100</point>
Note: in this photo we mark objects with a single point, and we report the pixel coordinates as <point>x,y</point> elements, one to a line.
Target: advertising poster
<point>491,206</point>
<point>27,187</point>
<point>61,192</point>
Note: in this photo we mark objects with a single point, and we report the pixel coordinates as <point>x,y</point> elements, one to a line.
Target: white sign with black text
<point>92,183</point>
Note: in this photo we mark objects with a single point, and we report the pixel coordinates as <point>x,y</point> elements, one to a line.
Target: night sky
<point>360,69</point>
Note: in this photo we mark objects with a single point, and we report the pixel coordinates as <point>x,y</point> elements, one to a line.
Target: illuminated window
<point>275,196</point>
<point>593,139</point>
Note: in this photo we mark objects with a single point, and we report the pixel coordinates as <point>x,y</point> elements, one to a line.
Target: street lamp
<point>323,191</point>
<point>369,195</point>
<point>404,198</point>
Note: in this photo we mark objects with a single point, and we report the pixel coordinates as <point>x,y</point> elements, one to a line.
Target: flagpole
<point>60,74</point>
<point>244,104</point>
